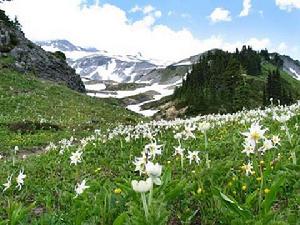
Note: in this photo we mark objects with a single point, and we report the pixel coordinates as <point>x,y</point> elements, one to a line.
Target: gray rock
<point>31,58</point>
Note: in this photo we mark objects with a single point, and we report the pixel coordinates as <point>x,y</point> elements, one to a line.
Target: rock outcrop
<point>29,57</point>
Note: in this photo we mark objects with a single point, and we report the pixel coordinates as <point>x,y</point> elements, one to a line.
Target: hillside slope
<point>35,112</point>
<point>223,82</point>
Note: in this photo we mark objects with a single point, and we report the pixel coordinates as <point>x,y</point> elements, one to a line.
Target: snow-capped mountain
<point>291,66</point>
<point>100,65</point>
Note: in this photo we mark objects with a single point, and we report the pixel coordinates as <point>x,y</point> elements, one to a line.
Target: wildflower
<point>140,163</point>
<point>117,191</point>
<point>193,156</point>
<point>255,133</point>
<point>248,148</point>
<point>244,187</point>
<point>267,191</point>
<point>7,185</point>
<point>20,179</point>
<point>142,186</point>
<point>76,157</point>
<point>97,170</point>
<point>282,118</point>
<point>267,145</point>
<point>204,126</point>
<point>276,140</point>
<point>16,149</point>
<point>80,188</point>
<point>258,179</point>
<point>199,191</point>
<point>153,149</point>
<point>178,151</point>
<point>154,172</point>
<point>248,168</point>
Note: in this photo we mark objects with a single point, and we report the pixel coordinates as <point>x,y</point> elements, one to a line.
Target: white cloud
<point>246,8</point>
<point>157,14</point>
<point>170,13</point>
<point>148,9</point>
<point>108,27</point>
<point>288,5</point>
<point>282,47</point>
<point>135,9</point>
<point>220,14</point>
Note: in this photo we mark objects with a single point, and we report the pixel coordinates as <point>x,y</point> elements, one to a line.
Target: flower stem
<point>293,153</point>
<point>206,147</point>
<point>145,206</point>
<point>150,196</point>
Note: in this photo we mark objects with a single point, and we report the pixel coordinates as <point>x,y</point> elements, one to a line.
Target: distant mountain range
<point>108,75</point>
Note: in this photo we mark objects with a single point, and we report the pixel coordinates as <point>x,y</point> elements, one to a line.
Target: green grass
<point>25,99</point>
<point>188,195</point>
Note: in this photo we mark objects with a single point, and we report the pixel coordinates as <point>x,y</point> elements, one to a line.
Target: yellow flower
<point>234,179</point>
<point>97,170</point>
<point>199,191</point>
<point>267,191</point>
<point>117,191</point>
<point>258,178</point>
<point>244,187</point>
<point>262,162</point>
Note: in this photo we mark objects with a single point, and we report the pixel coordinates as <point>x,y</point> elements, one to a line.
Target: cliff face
<point>31,58</point>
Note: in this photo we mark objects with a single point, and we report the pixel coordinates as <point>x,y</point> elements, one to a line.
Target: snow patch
<point>95,87</point>
<point>297,76</point>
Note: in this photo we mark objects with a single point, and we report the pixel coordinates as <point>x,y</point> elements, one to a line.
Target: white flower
<point>248,148</point>
<point>248,168</point>
<point>16,149</point>
<point>153,149</point>
<point>267,145</point>
<point>188,132</point>
<point>20,179</point>
<point>276,140</point>
<point>255,133</point>
<point>7,185</point>
<point>282,118</point>
<point>193,156</point>
<point>154,172</point>
<point>140,163</point>
<point>76,157</point>
<point>178,151</point>
<point>142,186</point>
<point>80,188</point>
<point>204,126</point>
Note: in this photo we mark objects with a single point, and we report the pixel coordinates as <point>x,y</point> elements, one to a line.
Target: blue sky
<point>154,27</point>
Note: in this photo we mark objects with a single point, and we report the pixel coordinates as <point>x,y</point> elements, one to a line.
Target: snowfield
<point>297,76</point>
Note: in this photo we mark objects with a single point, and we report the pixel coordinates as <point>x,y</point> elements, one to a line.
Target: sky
<point>166,30</point>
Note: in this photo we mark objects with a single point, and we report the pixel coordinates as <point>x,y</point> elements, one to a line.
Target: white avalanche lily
<point>153,149</point>
<point>178,151</point>
<point>76,157</point>
<point>20,179</point>
<point>80,188</point>
<point>142,186</point>
<point>248,168</point>
<point>154,172</point>
<point>193,156</point>
<point>7,185</point>
<point>255,133</point>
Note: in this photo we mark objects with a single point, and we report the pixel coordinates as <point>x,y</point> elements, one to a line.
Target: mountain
<point>94,64</point>
<point>28,57</point>
<point>137,82</point>
<point>222,82</point>
<point>291,66</point>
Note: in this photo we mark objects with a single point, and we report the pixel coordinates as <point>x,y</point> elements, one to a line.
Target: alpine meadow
<point>149,112</point>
